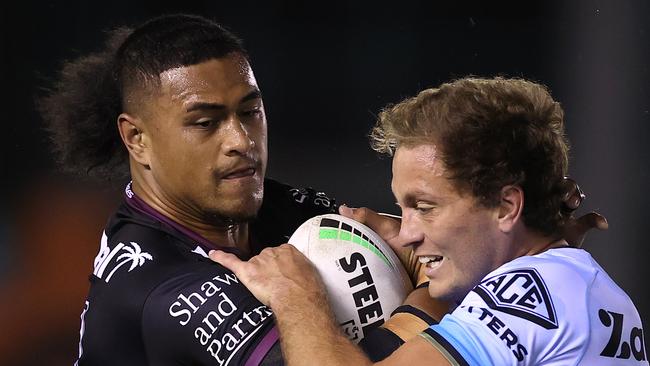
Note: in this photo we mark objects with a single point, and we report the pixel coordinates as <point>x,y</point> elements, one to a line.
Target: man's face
<point>450,231</point>
<point>207,127</point>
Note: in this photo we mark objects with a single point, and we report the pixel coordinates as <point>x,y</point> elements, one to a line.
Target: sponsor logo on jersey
<point>521,293</point>
<point>302,195</point>
<point>509,338</point>
<point>109,260</point>
<point>221,325</point>
<point>622,344</point>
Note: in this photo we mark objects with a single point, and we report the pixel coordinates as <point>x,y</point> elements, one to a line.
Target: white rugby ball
<point>365,280</point>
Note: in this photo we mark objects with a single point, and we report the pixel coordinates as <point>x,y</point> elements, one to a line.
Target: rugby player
<point>477,171</point>
<point>175,98</point>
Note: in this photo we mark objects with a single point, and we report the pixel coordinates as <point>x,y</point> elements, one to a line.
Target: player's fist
<point>575,229</point>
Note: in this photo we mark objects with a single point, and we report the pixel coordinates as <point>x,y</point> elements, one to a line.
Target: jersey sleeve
<point>466,341</point>
<point>206,317</point>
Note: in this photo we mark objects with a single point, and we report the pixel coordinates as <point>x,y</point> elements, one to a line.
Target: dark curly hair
<point>80,110</point>
<point>491,133</point>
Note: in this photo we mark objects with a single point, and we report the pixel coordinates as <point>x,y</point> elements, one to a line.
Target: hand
<point>572,197</point>
<point>575,230</point>
<point>387,227</point>
<point>277,276</point>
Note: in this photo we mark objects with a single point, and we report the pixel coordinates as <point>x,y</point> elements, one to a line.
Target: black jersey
<point>156,299</point>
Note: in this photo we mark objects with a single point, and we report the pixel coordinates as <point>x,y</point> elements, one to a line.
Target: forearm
<point>310,336</point>
<point>285,280</point>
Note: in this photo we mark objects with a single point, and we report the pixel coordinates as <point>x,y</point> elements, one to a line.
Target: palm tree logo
<point>134,255</point>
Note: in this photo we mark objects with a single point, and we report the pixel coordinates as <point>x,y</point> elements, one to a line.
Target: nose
<point>237,140</point>
<point>410,232</point>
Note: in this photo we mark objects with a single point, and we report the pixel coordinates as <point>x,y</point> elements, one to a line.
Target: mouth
<point>431,261</point>
<point>237,173</point>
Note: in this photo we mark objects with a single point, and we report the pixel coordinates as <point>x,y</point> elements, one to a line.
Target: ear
<point>135,139</point>
<point>511,207</point>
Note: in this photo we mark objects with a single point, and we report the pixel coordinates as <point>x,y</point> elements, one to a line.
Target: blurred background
<point>326,70</point>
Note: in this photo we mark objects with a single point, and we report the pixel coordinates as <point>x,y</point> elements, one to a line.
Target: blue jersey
<point>555,308</point>
<point>156,299</point>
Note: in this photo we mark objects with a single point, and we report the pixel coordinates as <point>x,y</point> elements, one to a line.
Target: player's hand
<point>387,227</point>
<point>575,229</point>
<point>572,195</point>
<point>277,276</point>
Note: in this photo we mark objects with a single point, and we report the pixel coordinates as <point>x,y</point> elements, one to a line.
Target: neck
<point>536,243</point>
<point>219,231</point>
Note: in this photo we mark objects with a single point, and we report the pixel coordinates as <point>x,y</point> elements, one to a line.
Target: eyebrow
<point>412,197</point>
<point>255,94</point>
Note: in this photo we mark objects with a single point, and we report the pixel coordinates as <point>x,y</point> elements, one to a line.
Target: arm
<point>417,313</point>
<point>285,280</point>
<point>417,351</point>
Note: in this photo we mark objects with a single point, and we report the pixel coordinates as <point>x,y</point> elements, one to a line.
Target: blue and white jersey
<point>555,308</point>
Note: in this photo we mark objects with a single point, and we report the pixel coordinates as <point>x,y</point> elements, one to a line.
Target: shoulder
<point>135,255</point>
<point>285,208</point>
<point>543,298</point>
<point>157,295</point>
<point>552,307</point>
<point>305,200</point>
<point>133,252</point>
<point>536,288</point>
<point>132,261</point>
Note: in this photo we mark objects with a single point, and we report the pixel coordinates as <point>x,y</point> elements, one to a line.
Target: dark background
<point>326,70</point>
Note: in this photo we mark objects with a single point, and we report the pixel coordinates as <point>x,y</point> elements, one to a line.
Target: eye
<point>205,123</point>
<point>424,207</point>
<point>255,112</point>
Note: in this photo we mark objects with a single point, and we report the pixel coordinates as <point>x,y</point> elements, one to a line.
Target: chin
<point>447,294</point>
<point>243,215</point>
<point>438,293</point>
<point>239,211</point>
<point>239,208</point>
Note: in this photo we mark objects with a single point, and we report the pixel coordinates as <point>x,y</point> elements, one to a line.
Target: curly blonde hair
<point>491,133</point>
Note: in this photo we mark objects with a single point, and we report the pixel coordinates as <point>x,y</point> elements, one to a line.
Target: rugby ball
<point>364,279</point>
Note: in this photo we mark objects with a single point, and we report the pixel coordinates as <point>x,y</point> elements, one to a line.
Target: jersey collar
<point>136,203</point>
